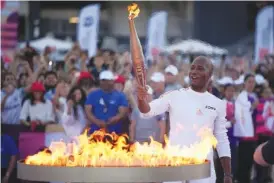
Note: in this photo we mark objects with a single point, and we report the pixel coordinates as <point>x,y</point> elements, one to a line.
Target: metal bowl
<point>113,174</point>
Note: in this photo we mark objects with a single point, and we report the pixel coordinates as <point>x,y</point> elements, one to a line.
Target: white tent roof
<point>195,46</point>
<point>40,44</point>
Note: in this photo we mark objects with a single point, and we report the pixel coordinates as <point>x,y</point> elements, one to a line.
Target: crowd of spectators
<point>82,93</point>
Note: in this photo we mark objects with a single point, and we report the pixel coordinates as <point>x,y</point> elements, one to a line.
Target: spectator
<point>73,116</point>
<point>106,107</point>
<point>119,83</point>
<point>157,83</point>
<point>83,58</point>
<point>36,113</point>
<point>11,102</point>
<point>9,154</point>
<point>97,66</point>
<point>111,61</point>
<point>268,113</point>
<point>11,99</point>
<point>39,74</point>
<point>38,109</point>
<point>171,73</point>
<point>28,54</point>
<point>22,81</point>
<point>246,103</point>
<point>71,62</point>
<point>41,78</point>
<point>263,133</point>
<point>73,73</point>
<point>229,93</point>
<point>50,84</point>
<point>46,54</point>
<point>62,90</point>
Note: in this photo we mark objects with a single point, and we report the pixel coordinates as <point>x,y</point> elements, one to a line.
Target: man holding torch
<point>193,108</point>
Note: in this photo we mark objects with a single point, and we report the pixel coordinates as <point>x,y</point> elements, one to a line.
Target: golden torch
<point>135,46</point>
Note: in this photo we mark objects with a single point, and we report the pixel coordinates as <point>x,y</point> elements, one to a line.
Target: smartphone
<point>50,66</point>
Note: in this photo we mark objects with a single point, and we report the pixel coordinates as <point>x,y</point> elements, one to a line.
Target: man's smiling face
<point>200,73</point>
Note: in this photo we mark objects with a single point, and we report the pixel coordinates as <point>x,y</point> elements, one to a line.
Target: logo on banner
<point>88,21</point>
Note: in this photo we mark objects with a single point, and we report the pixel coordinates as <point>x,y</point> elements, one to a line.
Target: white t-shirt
<point>190,112</point>
<point>40,111</point>
<point>193,111</point>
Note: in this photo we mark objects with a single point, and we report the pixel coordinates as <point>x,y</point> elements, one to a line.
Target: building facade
<point>219,23</point>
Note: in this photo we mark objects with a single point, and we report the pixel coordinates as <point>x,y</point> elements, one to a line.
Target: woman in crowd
<point>263,133</point>
<point>22,81</point>
<point>229,94</point>
<point>73,118</point>
<point>245,105</point>
<point>60,97</point>
<point>268,113</point>
<point>36,107</point>
<point>36,113</point>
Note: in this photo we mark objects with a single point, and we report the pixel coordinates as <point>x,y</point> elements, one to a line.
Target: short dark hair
<point>50,73</point>
<point>228,85</point>
<point>247,76</point>
<point>81,102</point>
<point>31,98</point>
<point>19,79</point>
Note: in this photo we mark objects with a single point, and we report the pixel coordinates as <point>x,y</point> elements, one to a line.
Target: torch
<point>137,55</point>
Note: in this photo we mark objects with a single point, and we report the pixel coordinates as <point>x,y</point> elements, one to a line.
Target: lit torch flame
<point>101,149</point>
<point>133,10</point>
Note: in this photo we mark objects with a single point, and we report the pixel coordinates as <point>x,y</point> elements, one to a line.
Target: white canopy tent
<point>195,46</point>
<point>42,43</point>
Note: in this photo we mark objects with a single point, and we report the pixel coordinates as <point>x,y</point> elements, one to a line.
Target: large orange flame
<point>104,149</point>
<point>133,10</point>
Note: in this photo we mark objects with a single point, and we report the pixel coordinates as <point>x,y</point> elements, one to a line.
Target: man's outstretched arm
<point>150,109</point>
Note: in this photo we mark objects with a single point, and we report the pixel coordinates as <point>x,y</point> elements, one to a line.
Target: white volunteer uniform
<point>190,112</point>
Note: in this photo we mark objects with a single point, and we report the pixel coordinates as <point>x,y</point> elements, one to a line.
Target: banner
<point>9,26</point>
<point>264,38</point>
<point>156,36</point>
<point>88,27</point>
